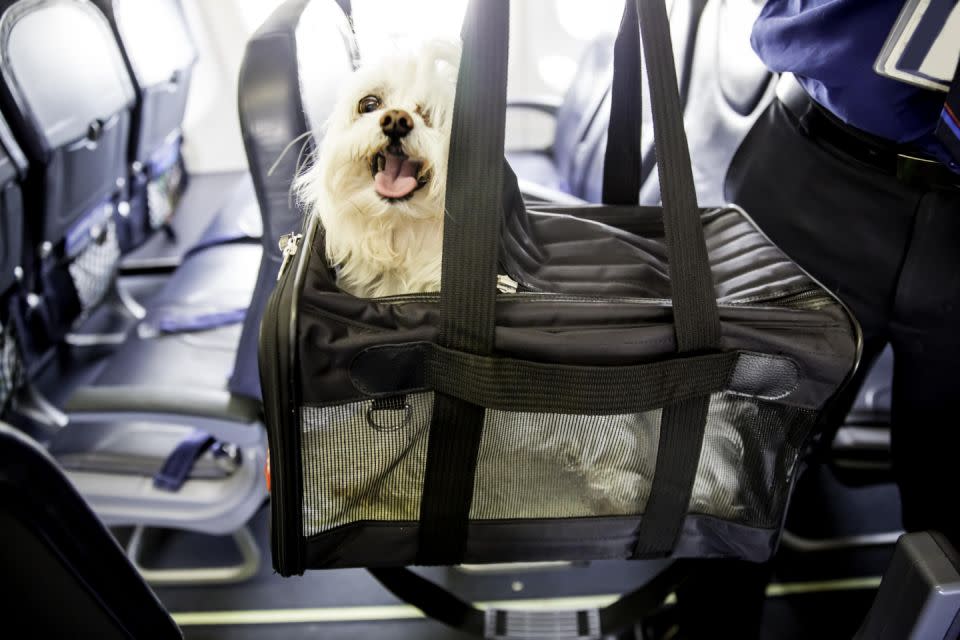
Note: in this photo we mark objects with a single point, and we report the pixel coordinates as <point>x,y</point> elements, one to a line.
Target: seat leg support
<point>247,567</point>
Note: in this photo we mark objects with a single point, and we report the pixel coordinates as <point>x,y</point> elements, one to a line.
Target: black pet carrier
<point>604,381</point>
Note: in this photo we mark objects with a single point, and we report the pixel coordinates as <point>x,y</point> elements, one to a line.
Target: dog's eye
<point>425,114</point>
<point>368,104</point>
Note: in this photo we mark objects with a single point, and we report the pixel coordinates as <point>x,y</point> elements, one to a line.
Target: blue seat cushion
<point>210,283</point>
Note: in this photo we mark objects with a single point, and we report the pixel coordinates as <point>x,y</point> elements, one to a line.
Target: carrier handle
<point>475,174</point>
<point>623,158</point>
<point>696,319</point>
<point>511,384</point>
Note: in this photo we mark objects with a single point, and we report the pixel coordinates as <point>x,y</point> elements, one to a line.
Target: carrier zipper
<point>810,299</point>
<point>506,284</point>
<point>272,385</point>
<point>805,299</point>
<point>289,244</point>
<point>279,401</point>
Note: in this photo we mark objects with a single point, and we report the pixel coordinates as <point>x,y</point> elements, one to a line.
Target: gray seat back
<point>685,17</point>
<point>290,74</point>
<point>69,109</point>
<point>160,55</point>
<point>580,106</point>
<point>63,571</point>
<point>68,106</point>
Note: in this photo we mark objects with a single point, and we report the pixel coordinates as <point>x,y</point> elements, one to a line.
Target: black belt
<point>906,163</point>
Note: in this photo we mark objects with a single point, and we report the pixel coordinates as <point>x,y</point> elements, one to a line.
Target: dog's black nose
<point>396,123</point>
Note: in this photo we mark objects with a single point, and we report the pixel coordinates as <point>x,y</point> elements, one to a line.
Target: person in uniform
<point>856,176</point>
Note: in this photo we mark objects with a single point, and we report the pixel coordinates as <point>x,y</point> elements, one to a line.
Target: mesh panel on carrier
<point>364,461</point>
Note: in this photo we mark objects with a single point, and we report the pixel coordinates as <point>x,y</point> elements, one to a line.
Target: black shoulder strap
<point>622,158</point>
<point>695,316</point>
<point>694,299</point>
<point>469,271</point>
<point>589,624</point>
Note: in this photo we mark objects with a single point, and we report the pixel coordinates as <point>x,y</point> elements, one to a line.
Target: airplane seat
<point>586,172</point>
<point>156,439</point>
<point>69,109</point>
<point>160,56</point>
<point>13,166</point>
<point>551,167</point>
<point>63,571</point>
<point>207,306</point>
<point>167,393</point>
<point>288,84</point>
<point>729,89</point>
<point>860,448</point>
<point>873,405</point>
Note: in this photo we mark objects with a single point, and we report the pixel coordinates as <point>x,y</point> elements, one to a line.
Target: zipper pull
<point>289,243</point>
<point>506,284</point>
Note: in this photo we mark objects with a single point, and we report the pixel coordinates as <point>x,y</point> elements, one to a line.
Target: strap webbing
<point>694,299</point>
<point>176,468</point>
<point>695,316</point>
<point>516,385</point>
<point>622,158</point>
<point>508,384</point>
<point>173,323</point>
<point>441,605</point>
<point>469,272</point>
<point>682,426</point>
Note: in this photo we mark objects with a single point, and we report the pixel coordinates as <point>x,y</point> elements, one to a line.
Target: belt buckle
<point>925,172</point>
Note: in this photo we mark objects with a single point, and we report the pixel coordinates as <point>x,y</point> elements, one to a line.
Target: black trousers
<point>891,252</point>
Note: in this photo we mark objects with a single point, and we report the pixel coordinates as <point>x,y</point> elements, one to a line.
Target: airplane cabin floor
<point>820,595</point>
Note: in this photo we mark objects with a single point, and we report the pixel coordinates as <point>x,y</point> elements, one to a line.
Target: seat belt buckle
<point>503,624</point>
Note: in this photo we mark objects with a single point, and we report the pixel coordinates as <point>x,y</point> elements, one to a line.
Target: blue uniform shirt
<point>831,46</point>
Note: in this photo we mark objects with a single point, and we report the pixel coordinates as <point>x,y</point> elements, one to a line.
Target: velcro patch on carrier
<point>763,376</point>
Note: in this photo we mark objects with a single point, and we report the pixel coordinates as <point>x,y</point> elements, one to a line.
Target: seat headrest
<point>155,37</point>
<point>291,71</point>
<point>57,92</point>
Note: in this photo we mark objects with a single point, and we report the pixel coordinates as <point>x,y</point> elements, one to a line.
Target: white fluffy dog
<point>379,177</point>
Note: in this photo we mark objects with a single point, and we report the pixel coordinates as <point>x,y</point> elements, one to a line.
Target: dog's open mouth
<point>396,176</point>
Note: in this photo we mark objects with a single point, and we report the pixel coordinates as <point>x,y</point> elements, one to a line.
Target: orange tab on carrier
<point>266,471</point>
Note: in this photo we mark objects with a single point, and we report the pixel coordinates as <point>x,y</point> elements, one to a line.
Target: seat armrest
<point>223,415</point>
<point>920,593</point>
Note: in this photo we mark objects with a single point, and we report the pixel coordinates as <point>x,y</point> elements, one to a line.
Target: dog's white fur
<point>384,247</point>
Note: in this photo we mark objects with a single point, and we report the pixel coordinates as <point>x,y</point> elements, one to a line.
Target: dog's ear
<point>444,52</point>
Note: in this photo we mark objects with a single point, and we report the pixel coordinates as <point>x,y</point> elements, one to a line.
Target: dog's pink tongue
<point>398,178</point>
